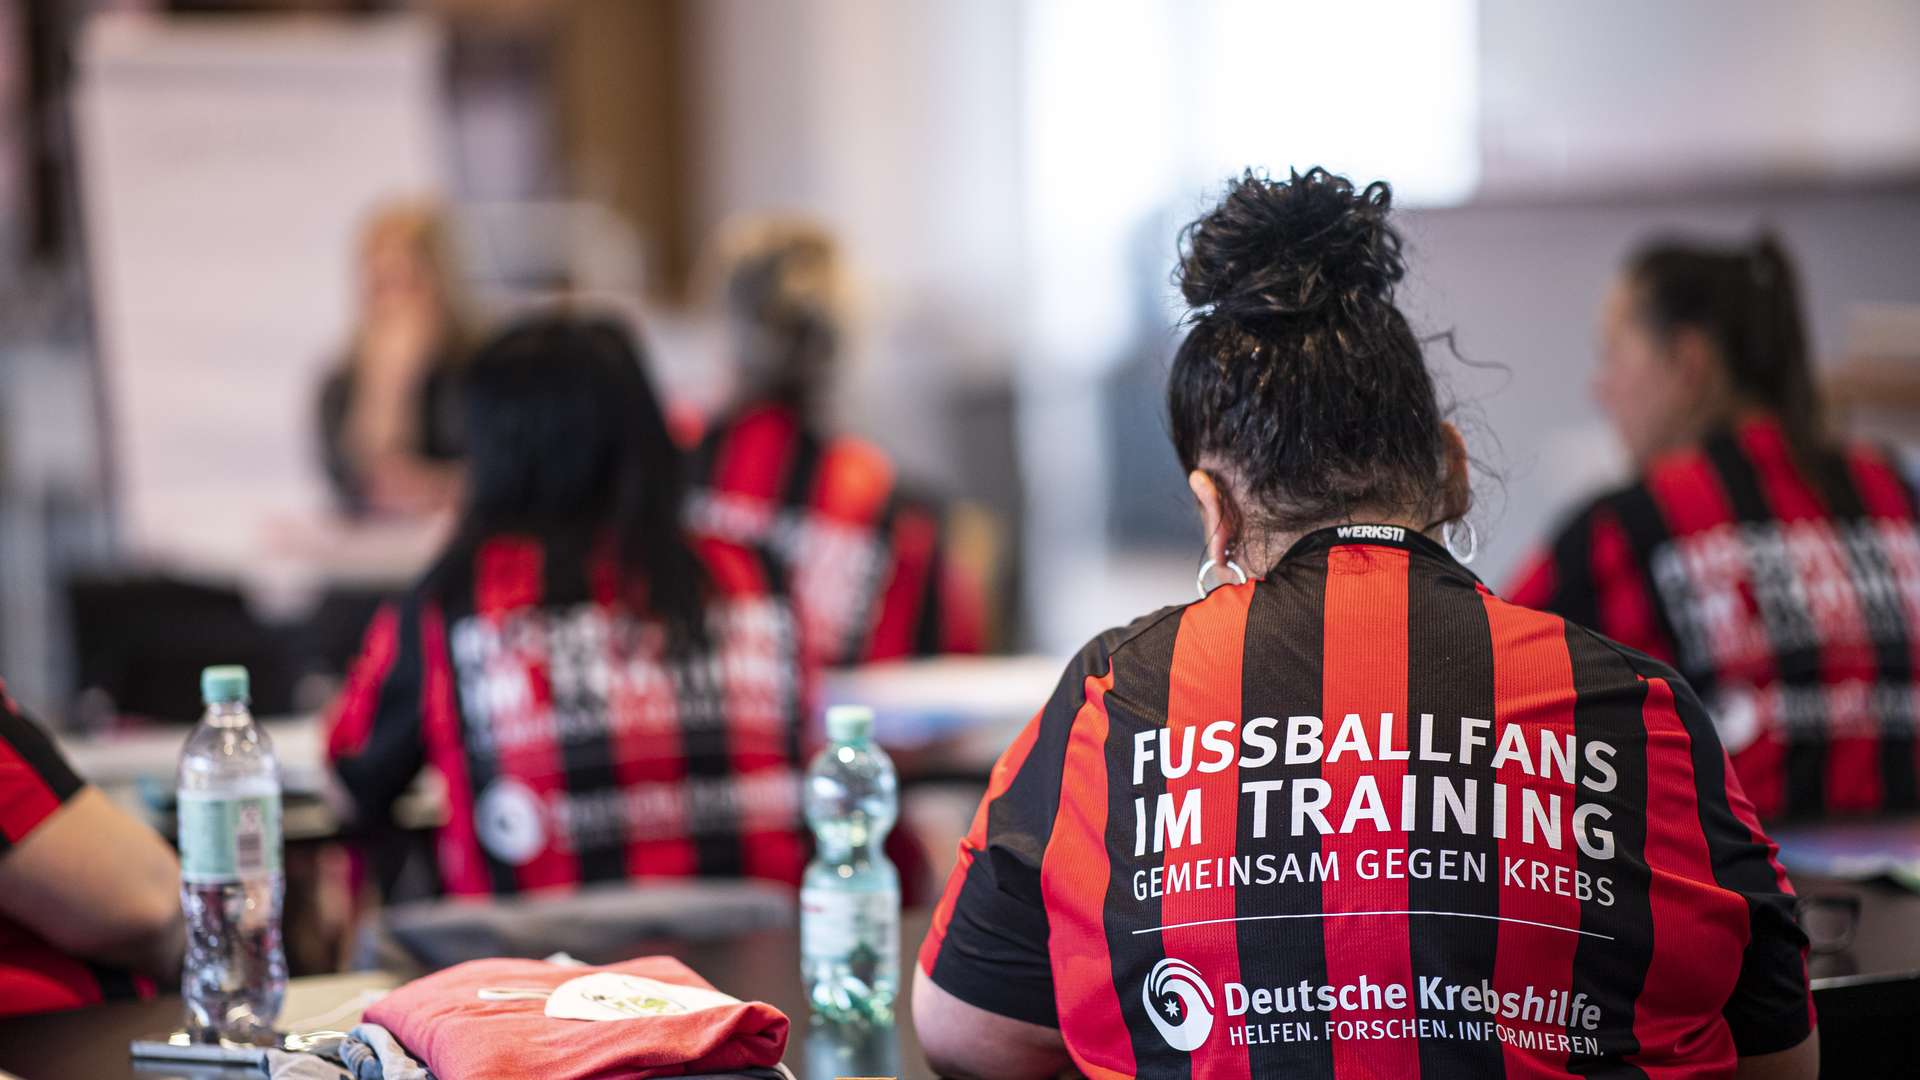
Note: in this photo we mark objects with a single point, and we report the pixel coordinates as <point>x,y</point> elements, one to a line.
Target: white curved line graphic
<point>1183,981</point>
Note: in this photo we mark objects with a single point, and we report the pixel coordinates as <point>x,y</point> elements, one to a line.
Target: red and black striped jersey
<point>1785,585</point>
<point>863,562</point>
<point>35,781</point>
<point>1363,818</point>
<point>577,743</point>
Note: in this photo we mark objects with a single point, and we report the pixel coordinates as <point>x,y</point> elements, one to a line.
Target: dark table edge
<point>1842,982</point>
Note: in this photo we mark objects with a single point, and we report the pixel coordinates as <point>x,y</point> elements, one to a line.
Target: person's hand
<point>400,341</point>
<point>398,347</point>
<point>404,485</point>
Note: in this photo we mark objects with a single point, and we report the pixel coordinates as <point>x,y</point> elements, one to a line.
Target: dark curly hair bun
<point>1300,381</point>
<point>1299,248</point>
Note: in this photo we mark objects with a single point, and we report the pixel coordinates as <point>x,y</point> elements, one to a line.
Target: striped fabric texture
<point>1364,818</point>
<point>1785,584</point>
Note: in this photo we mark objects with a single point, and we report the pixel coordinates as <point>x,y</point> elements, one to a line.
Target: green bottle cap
<point>849,723</point>
<point>223,684</point>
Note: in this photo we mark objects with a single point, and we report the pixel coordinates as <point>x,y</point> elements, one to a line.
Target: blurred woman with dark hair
<point>1349,814</point>
<point>865,563</point>
<point>1777,567</point>
<point>605,698</point>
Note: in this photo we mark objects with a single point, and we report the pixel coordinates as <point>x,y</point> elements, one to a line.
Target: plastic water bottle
<point>850,898</point>
<point>231,885</point>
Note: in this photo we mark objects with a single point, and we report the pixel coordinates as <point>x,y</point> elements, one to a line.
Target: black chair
<point>142,640</point>
<point>1869,1025</point>
<point>598,924</point>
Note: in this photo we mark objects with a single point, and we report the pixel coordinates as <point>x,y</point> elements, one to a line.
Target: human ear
<point>1216,514</point>
<point>1457,486</point>
<point>1697,361</point>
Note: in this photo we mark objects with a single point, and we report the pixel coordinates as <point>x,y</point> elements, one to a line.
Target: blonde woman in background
<point>389,413</point>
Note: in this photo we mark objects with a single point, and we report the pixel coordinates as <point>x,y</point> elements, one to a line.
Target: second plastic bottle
<point>850,898</point>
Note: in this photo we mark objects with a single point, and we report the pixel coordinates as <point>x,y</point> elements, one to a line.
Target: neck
<point>1260,553</point>
<point>1702,424</point>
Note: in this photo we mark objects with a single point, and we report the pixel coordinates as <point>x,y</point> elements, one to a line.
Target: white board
<point>226,167</point>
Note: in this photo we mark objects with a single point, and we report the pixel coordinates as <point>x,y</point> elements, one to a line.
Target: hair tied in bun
<point>1309,247</point>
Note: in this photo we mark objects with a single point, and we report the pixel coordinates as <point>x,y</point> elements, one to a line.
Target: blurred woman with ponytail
<point>1776,566</point>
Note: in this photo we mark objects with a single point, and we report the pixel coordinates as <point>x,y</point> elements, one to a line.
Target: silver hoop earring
<point>1462,551</point>
<point>1208,567</point>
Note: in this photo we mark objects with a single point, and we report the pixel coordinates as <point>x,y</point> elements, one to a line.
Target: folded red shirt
<point>681,1027</point>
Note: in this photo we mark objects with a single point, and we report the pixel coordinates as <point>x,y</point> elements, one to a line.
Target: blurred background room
<point>188,187</point>
<point>245,243</point>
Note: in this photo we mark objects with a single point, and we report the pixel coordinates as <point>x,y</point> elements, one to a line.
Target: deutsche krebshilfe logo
<point>1180,1004</point>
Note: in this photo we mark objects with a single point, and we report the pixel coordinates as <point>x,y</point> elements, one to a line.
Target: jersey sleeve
<point>958,621</point>
<point>988,942</point>
<point>951,615</point>
<point>1771,1008</point>
<point>374,736</point>
<point>35,780</point>
<point>930,602</point>
<point>1535,584</point>
<point>1590,575</point>
<point>906,608</point>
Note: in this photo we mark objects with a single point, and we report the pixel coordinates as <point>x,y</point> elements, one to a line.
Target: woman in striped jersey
<point>604,698</point>
<point>1351,814</point>
<point>864,561</point>
<point>1775,567</point>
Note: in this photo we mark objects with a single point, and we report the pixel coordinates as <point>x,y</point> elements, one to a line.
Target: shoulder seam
<point>1151,621</point>
<point>1627,656</point>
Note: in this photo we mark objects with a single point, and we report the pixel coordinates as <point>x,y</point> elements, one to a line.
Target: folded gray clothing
<point>370,1052</point>
<point>361,1060</point>
<point>290,1065</point>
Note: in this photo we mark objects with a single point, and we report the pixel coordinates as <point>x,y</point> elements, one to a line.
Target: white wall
<point>1656,95</point>
<point>226,167</point>
<point>893,121</point>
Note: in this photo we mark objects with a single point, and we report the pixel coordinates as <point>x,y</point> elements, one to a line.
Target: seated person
<point>1351,814</point>
<point>865,562</point>
<point>89,896</point>
<point>389,413</point>
<point>1774,565</point>
<point>604,699</point>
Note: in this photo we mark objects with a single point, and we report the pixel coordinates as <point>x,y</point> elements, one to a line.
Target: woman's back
<point>578,744</point>
<point>1775,566</point>
<point>864,562</point>
<point>605,698</point>
<point>1364,818</point>
<point>1785,585</point>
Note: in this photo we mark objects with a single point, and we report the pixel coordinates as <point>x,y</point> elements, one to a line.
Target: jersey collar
<point>1368,535</point>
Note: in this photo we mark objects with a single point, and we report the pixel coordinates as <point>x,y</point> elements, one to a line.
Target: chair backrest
<point>601,924</point>
<point>143,640</point>
<point>1869,1026</point>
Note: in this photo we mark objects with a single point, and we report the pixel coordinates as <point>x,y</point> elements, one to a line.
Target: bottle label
<point>835,923</point>
<point>228,838</point>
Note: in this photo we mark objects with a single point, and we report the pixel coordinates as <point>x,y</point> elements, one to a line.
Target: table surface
<point>91,1043</point>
